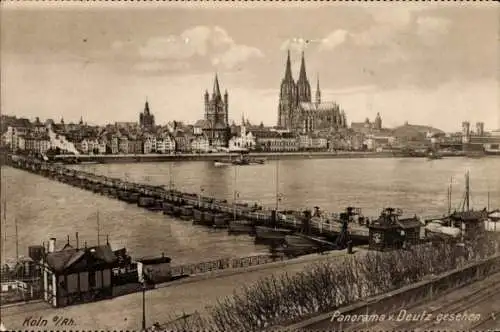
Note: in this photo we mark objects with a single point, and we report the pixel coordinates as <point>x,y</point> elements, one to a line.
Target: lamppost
<point>143,305</point>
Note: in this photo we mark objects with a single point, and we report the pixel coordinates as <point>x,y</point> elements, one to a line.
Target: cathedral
<point>296,110</point>
<point>216,122</point>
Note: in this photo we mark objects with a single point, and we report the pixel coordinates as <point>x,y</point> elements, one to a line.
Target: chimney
<point>52,244</point>
<point>77,242</point>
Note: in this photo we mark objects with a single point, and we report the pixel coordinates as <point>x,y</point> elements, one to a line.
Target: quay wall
<point>402,298</point>
<point>128,158</point>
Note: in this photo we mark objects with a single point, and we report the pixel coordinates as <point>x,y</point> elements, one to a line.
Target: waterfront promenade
<point>163,304</point>
<point>132,158</point>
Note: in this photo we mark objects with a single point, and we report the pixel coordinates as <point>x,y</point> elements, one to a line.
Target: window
<point>92,279</point>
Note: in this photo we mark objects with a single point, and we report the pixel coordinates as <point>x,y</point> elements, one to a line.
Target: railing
<point>224,264</point>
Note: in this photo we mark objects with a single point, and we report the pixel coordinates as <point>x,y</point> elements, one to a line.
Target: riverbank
<point>138,158</point>
<point>169,301</point>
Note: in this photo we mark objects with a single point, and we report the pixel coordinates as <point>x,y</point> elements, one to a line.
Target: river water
<point>44,208</point>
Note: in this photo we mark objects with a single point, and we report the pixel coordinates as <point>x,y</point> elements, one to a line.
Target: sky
<point>434,64</point>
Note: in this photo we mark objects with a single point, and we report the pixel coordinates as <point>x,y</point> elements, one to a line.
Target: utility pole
<point>17,240</point>
<point>488,208</point>
<point>467,190</point>
<point>235,192</point>
<point>4,227</point>
<point>98,230</point>
<point>143,302</point>
<point>277,185</point>
<point>449,200</point>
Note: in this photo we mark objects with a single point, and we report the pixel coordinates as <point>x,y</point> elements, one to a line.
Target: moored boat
<point>432,155</point>
<point>157,205</point>
<point>240,227</point>
<point>270,234</point>
<point>186,212</point>
<point>436,229</point>
<point>219,163</point>
<point>167,208</point>
<point>220,220</point>
<point>197,216</point>
<point>145,201</point>
<point>298,241</point>
<point>176,211</point>
<point>208,218</point>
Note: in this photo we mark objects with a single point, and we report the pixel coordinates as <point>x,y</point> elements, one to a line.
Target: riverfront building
<point>297,111</point>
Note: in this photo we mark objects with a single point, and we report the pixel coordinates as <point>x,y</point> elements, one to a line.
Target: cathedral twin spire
<point>302,86</point>
<point>288,70</point>
<point>318,92</point>
<point>302,73</point>
<point>293,93</point>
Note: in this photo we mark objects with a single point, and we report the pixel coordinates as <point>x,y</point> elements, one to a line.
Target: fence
<point>224,264</point>
<point>19,291</point>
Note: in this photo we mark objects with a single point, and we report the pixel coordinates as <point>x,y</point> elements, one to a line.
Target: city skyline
<point>408,63</point>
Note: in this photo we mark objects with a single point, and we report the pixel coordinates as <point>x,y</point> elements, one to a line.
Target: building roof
<point>65,259</point>
<point>203,123</point>
<point>323,106</point>
<point>220,125</point>
<point>197,136</point>
<point>267,134</point>
<point>154,260</point>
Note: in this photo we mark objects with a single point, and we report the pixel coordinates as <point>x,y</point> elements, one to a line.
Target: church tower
<point>146,119</point>
<point>303,86</point>
<point>318,92</point>
<point>217,115</point>
<point>216,107</point>
<point>378,122</point>
<point>288,96</point>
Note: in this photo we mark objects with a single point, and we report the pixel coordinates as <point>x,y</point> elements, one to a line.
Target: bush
<point>329,285</point>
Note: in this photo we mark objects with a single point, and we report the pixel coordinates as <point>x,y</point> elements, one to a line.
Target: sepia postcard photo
<point>250,166</point>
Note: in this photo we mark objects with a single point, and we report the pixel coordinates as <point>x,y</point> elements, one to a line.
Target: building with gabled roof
<point>74,275</point>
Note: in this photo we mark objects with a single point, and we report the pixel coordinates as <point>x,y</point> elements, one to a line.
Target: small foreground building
<point>390,232</point>
<point>154,270</point>
<point>77,275</point>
